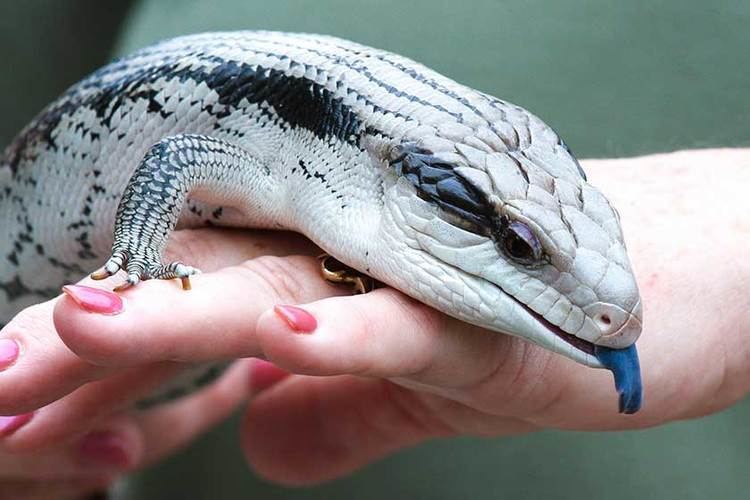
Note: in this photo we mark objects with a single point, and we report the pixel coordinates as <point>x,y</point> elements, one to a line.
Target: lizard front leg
<point>152,202</point>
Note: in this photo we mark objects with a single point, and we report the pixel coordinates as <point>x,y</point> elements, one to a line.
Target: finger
<point>306,430</point>
<point>215,320</point>
<point>78,412</point>
<point>264,375</point>
<point>382,334</point>
<point>80,438</point>
<point>191,416</point>
<point>114,447</point>
<point>385,334</point>
<point>44,369</point>
<point>146,437</point>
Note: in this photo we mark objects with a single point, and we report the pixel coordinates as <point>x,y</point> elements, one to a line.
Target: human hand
<point>84,437</point>
<point>399,372</point>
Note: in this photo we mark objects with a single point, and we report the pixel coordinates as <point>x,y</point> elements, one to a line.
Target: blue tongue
<point>627,371</point>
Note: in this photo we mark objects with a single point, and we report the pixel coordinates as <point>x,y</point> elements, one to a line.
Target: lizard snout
<point>618,328</point>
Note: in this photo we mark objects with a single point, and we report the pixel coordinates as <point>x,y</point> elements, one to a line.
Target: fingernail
<point>105,449</point>
<point>8,352</point>
<point>263,375</point>
<point>297,318</point>
<point>94,300</point>
<point>9,425</point>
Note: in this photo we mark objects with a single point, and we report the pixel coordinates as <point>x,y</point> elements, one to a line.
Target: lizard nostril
<point>604,321</point>
<point>611,325</point>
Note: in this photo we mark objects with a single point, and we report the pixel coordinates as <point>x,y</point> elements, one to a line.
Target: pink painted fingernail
<point>8,352</point>
<point>9,425</point>
<point>263,375</point>
<point>105,448</point>
<point>94,300</point>
<point>297,318</point>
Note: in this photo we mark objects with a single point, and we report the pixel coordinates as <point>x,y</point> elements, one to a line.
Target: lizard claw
<point>114,264</point>
<point>101,274</point>
<point>182,272</point>
<point>131,280</point>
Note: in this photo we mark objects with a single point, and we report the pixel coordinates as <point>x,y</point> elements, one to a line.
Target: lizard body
<point>466,202</point>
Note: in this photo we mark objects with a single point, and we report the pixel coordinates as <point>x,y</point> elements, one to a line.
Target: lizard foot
<point>143,268</point>
<point>335,271</point>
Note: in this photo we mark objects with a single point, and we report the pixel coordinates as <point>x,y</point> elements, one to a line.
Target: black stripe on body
<point>335,59</point>
<point>364,71</point>
<point>304,100</point>
<point>299,102</point>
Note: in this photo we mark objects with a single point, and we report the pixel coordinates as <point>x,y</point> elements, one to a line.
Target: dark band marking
<point>297,101</point>
<point>439,183</point>
<point>358,68</point>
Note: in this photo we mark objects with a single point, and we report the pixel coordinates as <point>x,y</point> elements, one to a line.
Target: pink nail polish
<point>263,375</point>
<point>8,352</point>
<point>105,449</point>
<point>9,425</point>
<point>297,318</point>
<point>94,300</point>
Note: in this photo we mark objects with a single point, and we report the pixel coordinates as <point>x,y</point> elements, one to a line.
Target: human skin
<point>381,371</point>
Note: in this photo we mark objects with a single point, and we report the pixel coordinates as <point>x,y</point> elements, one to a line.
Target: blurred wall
<point>45,46</point>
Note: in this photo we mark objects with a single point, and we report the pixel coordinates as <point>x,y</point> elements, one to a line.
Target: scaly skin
<point>465,202</point>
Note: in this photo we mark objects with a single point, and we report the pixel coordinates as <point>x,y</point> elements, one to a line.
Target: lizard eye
<point>520,244</point>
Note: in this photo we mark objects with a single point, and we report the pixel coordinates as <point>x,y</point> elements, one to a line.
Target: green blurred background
<point>614,78</point>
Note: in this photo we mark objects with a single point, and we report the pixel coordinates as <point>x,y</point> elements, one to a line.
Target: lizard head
<point>523,243</point>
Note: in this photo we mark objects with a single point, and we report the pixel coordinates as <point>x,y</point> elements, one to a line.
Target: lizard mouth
<point>578,343</point>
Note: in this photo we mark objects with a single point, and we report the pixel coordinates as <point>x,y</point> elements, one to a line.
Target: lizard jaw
<point>550,336</point>
<point>577,342</point>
